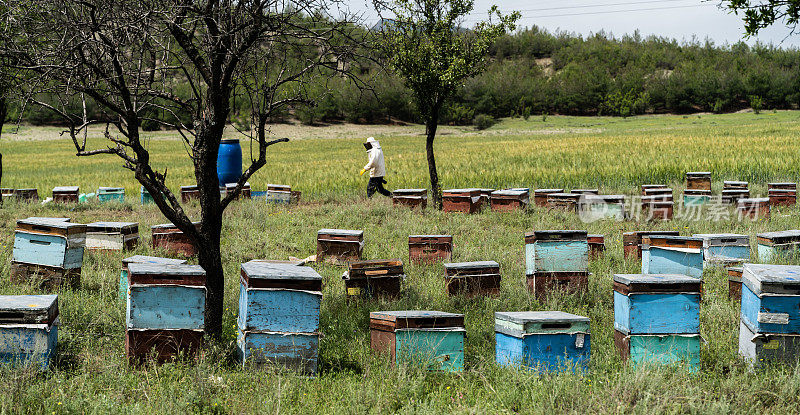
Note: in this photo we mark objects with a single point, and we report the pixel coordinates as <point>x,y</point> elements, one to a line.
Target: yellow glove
<point>361,173</point>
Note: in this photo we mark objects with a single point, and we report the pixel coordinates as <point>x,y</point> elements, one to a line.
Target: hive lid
<point>144,268</point>
<point>28,309</point>
<point>144,259</point>
<point>698,173</point>
<point>116,226</point>
<point>566,195</point>
<point>65,189</point>
<point>744,201</point>
<point>782,184</point>
<point>340,232</point>
<point>522,317</point>
<point>47,219</point>
<point>509,192</point>
<point>409,190</point>
<point>50,223</point>
<point>787,236</point>
<point>110,189</point>
<point>734,183</point>
<point>771,279</point>
<point>169,226</point>
<point>715,237</point>
<point>585,191</point>
<point>630,279</point>
<point>430,236</point>
<point>470,265</point>
<point>556,235</point>
<point>278,271</point>
<point>548,191</point>
<point>411,315</point>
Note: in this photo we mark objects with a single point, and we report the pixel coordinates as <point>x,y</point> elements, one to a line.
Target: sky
<point>679,19</point>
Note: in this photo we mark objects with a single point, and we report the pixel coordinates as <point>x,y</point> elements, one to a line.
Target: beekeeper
<point>376,168</point>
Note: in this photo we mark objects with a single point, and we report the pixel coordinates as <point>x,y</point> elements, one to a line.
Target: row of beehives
<point>275,193</point>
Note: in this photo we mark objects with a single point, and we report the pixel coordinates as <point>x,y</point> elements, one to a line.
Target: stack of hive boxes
<point>657,318</point>
<point>430,339</point>
<point>278,322</point>
<point>123,275</point>
<point>782,194</point>
<point>543,340</point>
<point>374,279</point>
<point>597,207</point>
<point>165,311</point>
<point>28,329</point>
<point>279,193</point>
<point>556,260</point>
<point>769,329</point>
<point>732,191</point>
<point>698,188</point>
<point>657,201</point>
<point>49,251</point>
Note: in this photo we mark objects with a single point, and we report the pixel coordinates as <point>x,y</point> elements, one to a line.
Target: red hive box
<point>374,279</point>
<point>461,200</point>
<point>414,198</point>
<point>509,200</point>
<point>543,284</point>
<point>339,245</point>
<point>430,248</point>
<point>753,208</point>
<point>65,194</point>
<point>473,278</point>
<point>540,195</point>
<point>597,245</point>
<point>173,240</point>
<point>632,241</point>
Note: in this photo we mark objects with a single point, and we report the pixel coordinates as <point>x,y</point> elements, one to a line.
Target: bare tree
<point>176,63</point>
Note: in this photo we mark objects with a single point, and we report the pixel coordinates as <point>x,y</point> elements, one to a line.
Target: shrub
<point>483,121</point>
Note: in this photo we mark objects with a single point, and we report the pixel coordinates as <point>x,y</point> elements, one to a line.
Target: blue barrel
<point>229,161</point>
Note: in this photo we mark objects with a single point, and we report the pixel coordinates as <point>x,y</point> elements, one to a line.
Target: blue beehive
<point>166,296</point>
<point>543,340</point>
<point>723,249</point>
<point>28,329</point>
<point>279,305</point>
<point>778,246</point>
<point>123,276</point>
<point>49,242</point>
<point>665,254</point>
<point>556,251</point>
<point>771,298</point>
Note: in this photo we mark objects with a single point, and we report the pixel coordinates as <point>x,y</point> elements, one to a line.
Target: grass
<point>91,374</point>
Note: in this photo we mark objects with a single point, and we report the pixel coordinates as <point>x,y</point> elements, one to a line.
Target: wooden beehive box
<point>540,196</point>
<point>546,283</point>
<point>189,193</point>
<point>721,249</point>
<point>461,200</point>
<point>6,193</point>
<point>754,208</point>
<point>698,180</point>
<point>556,251</point>
<point>775,246</point>
<point>734,185</point>
<point>162,345</point>
<point>65,194</point>
<point>430,339</point>
<point>732,196</point>
<point>111,194</point>
<point>566,201</point>
<point>586,191</point>
<point>115,236</point>
<point>28,195</point>
<point>166,296</point>
<point>771,298</point>
<point>509,200</point>
<point>245,193</point>
<point>28,329</point>
<point>782,197</point>
<point>597,245</point>
<point>167,236</point>
<point>782,186</point>
<point>658,193</point>
<point>734,283</point>
<point>632,241</point>
<point>430,248</point>
<point>414,198</point>
<point>763,349</point>
<point>339,245</point>
<point>123,276</point>
<point>374,279</point>
<point>695,197</point>
<point>598,207</point>
<point>279,193</point>
<point>663,254</point>
<point>473,278</point>
<point>546,341</point>
<point>49,249</point>
<point>657,208</point>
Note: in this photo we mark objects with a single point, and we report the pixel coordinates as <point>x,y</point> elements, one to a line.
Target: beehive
<point>777,246</point>
<point>597,245</point>
<point>556,251</point>
<point>662,254</point>
<point>782,197</point>
<point>663,192</point>
<point>28,329</point>
<point>782,186</point>
<point>721,249</point>
<point>734,185</point>
<point>65,194</point>
<point>732,196</point>
<point>548,341</point>
<point>597,207</point>
<point>123,276</point>
<point>189,193</point>
<point>645,187</point>
<point>657,208</point>
<point>543,283</point>
<point>414,198</point>
<point>694,197</point>
<point>279,193</point>
<point>48,251</point>
<point>431,339</point>
<point>566,201</point>
<point>473,278</point>
<point>461,200</point>
<point>27,195</point>
<point>698,180</point>
<point>115,236</point>
<point>6,193</point>
<point>339,245</point>
<point>586,191</point>
<point>167,236</point>
<point>430,248</point>
<point>111,194</point>
<point>632,241</point>
<point>278,323</point>
<point>374,279</point>
<point>657,318</point>
<point>509,200</point>
<point>243,194</point>
<point>753,208</point>
<point>734,283</point>
<point>540,195</point>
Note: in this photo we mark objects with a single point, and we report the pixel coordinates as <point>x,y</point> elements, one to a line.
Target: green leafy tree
<point>424,43</point>
<point>758,14</point>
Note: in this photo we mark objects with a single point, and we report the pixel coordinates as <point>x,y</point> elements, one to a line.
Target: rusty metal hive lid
<point>522,317</point>
<point>152,260</point>
<point>628,279</point>
<point>279,271</point>
<point>143,268</point>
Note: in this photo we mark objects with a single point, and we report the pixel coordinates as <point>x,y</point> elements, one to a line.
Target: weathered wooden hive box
<point>414,198</point>
<point>566,201</point>
<point>777,246</point>
<point>49,250</point>
<point>430,248</point>
<point>753,208</point>
<point>547,341</point>
<point>65,194</point>
<point>146,197</point>
<point>698,180</point>
<point>144,259</point>
<point>657,208</point>
<point>189,193</point>
<point>540,196</point>
<point>431,339</point>
<point>695,197</point>
<point>663,254</point>
<point>556,250</point>
<point>380,278</point>
<point>632,241</point>
<point>596,207</point>
<point>115,236</point>
<point>165,314</point>
<point>279,193</point>
<point>168,237</point>
<point>660,190</point>
<point>28,329</point>
<point>278,324</point>
<point>339,245</point>
<point>732,196</point>
<point>28,195</point>
<point>722,249</point>
<point>6,193</point>
<point>245,193</point>
<point>473,278</point>
<point>782,194</point>
<point>734,185</point>
<point>111,194</point>
<point>509,200</point>
<point>782,186</point>
<point>657,318</point>
<point>461,200</point>
<point>734,283</point>
<point>597,245</point>
<point>769,331</point>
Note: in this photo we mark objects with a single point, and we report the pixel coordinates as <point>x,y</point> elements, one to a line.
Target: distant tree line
<point>534,72</point>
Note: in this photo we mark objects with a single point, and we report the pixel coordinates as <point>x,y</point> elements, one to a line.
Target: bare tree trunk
<point>3,114</point>
<point>430,131</point>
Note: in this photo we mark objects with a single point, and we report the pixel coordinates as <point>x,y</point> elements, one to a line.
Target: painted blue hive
<point>28,329</point>
<point>556,251</point>
<point>664,254</point>
<point>724,249</point>
<point>144,259</point>
<point>47,242</point>
<point>771,298</point>
<point>166,297</point>
<point>542,340</point>
<point>778,246</point>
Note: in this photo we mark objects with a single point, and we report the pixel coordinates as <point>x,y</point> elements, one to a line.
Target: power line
<point>599,5</point>
<point>606,12</point>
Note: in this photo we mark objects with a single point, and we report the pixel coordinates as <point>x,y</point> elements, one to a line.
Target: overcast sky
<point>679,19</point>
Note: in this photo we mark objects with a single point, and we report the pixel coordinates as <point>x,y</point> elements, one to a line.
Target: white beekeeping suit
<point>375,165</point>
